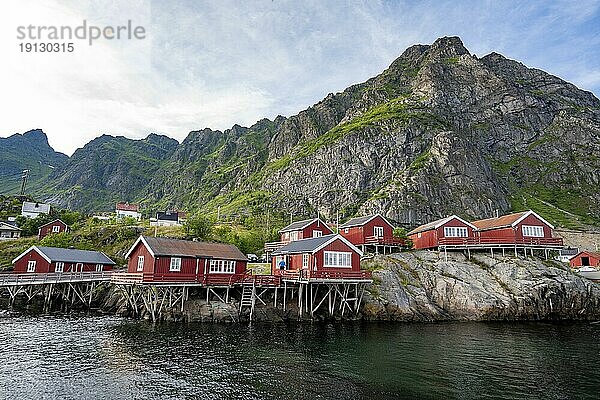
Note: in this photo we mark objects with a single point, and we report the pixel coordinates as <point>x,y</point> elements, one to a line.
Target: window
<point>378,231</point>
<point>305,258</point>
<point>222,266</point>
<point>346,230</point>
<point>533,230</point>
<point>31,266</point>
<point>79,267</point>
<point>293,236</point>
<point>338,259</point>
<point>55,229</point>
<point>59,267</point>
<point>455,231</point>
<point>175,264</point>
<point>317,234</point>
<point>140,266</point>
<point>99,267</point>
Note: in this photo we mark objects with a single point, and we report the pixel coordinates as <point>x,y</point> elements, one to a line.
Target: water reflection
<point>106,357</point>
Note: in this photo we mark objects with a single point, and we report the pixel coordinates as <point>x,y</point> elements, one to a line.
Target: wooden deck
<point>487,243</point>
<point>20,279</point>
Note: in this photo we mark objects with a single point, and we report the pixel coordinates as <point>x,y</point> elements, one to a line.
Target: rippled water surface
<point>108,358</point>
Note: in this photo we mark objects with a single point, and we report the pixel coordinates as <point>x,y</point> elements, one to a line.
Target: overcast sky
<point>217,63</point>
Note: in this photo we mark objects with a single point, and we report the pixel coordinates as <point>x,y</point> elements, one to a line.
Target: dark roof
<point>294,226</point>
<point>74,255</point>
<point>358,221</point>
<point>10,226</point>
<point>186,248</point>
<point>304,245</point>
<point>167,216</point>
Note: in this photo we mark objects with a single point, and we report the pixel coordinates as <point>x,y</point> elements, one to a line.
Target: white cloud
<point>214,64</point>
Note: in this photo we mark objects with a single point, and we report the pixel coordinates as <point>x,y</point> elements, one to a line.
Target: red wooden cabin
<point>372,229</point>
<point>451,230</point>
<point>329,256</point>
<point>56,226</point>
<point>522,228</point>
<point>585,259</point>
<point>158,259</point>
<point>304,229</point>
<point>40,259</point>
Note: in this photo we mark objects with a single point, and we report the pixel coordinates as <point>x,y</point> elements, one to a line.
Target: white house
<point>128,210</point>
<point>32,210</point>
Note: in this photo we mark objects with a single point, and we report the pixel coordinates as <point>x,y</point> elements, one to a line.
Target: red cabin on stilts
<point>156,260</point>
<point>40,259</point>
<point>370,230</point>
<point>445,231</point>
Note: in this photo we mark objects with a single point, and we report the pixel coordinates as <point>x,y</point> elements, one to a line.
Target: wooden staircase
<point>248,298</point>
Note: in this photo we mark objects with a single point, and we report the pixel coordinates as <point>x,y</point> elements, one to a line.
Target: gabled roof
<point>31,207</point>
<point>505,221</point>
<point>54,254</point>
<point>312,245</point>
<point>158,246</point>
<point>51,222</point>
<point>299,225</point>
<point>437,223</point>
<point>589,253</point>
<point>127,207</point>
<point>7,226</point>
<point>359,221</point>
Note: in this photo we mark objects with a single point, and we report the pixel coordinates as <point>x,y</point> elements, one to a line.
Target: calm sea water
<point>55,357</point>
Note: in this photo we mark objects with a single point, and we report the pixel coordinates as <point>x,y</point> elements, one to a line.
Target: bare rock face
<point>423,286</point>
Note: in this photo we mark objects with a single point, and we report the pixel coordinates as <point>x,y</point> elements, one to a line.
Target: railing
<point>208,280</point>
<point>530,241</point>
<point>325,274</point>
<point>273,246</point>
<point>11,279</point>
<point>385,240</point>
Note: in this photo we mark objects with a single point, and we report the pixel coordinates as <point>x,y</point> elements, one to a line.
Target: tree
<point>198,226</point>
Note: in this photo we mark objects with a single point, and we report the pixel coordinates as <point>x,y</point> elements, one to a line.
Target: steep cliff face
<point>441,132</point>
<point>423,286</point>
<point>108,169</point>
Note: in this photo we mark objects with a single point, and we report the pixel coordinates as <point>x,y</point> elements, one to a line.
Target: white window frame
<point>222,267</point>
<point>316,233</point>
<point>346,230</point>
<point>175,265</point>
<point>31,265</point>
<point>305,260</point>
<point>456,231</point>
<point>55,229</point>
<point>140,264</point>
<point>293,236</point>
<point>79,267</point>
<point>378,231</point>
<point>532,231</point>
<point>59,267</point>
<point>99,267</point>
<point>337,259</point>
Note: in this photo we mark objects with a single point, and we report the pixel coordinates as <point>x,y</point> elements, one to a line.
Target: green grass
<point>419,162</point>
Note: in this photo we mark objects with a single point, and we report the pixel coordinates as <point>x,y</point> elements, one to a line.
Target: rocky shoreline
<point>421,286</point>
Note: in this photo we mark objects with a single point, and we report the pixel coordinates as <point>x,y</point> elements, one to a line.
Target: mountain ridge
<point>439,131</point>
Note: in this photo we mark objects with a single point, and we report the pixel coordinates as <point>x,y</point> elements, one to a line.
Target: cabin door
<point>585,261</point>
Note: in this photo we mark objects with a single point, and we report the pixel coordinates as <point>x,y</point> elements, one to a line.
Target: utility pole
<point>25,178</point>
